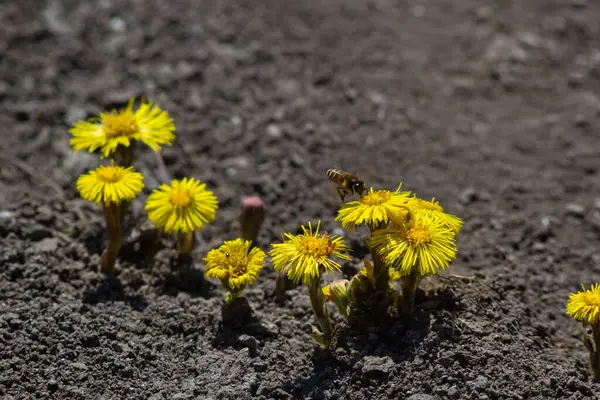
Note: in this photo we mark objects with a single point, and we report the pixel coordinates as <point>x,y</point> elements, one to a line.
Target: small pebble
<point>47,245</point>
<point>469,195</point>
<point>251,343</point>
<point>575,210</point>
<point>274,131</point>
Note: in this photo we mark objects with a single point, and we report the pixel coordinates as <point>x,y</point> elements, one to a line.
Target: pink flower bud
<point>251,217</point>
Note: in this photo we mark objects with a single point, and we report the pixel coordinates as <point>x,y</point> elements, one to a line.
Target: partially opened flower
<point>431,209</point>
<point>112,186</point>
<point>375,209</point>
<point>303,257</point>
<point>181,208</point>
<point>111,130</point>
<point>584,306</point>
<point>236,263</point>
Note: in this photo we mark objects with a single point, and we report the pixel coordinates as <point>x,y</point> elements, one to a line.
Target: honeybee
<point>347,184</point>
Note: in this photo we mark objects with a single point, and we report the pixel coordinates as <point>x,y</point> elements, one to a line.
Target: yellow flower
<point>424,244</point>
<point>235,263</point>
<point>376,209</point>
<point>302,256</point>
<point>585,305</point>
<point>432,209</point>
<point>110,184</point>
<point>182,207</point>
<point>148,124</point>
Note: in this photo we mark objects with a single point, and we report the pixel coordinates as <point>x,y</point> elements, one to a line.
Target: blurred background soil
<point>491,107</point>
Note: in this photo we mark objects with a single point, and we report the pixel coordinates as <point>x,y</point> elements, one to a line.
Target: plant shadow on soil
<point>396,338</point>
<point>173,273</point>
<point>238,320</point>
<point>111,290</point>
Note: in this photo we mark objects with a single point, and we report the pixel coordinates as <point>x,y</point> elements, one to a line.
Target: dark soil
<point>490,106</point>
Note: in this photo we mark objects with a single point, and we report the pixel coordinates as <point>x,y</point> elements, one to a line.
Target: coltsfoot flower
<point>236,263</point>
<point>184,206</point>
<point>431,209</point>
<point>110,184</point>
<point>148,124</point>
<point>303,257</point>
<point>424,246</point>
<point>375,209</point>
<point>585,305</point>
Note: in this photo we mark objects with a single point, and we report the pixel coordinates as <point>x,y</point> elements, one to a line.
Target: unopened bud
<point>337,291</point>
<point>359,287</point>
<point>251,217</point>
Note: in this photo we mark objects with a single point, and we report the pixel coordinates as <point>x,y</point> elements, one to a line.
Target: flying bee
<point>347,184</point>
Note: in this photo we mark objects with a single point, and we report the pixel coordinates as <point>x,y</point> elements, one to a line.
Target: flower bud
<point>251,217</point>
<point>337,291</point>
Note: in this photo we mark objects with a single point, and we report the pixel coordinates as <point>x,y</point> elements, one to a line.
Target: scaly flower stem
<point>380,269</point>
<point>124,157</point>
<point>593,346</point>
<point>231,294</point>
<point>409,286</point>
<point>317,300</point>
<point>185,242</point>
<point>113,236</point>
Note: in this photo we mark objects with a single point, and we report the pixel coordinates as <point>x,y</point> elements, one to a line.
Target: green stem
<point>381,272</point>
<point>114,236</point>
<point>317,300</point>
<point>594,351</point>
<point>409,286</point>
<point>185,241</point>
<point>124,156</point>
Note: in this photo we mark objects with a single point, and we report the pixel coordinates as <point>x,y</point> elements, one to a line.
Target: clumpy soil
<point>489,106</point>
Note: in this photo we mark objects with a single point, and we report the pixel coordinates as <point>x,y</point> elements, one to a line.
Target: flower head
<point>182,207</point>
<point>110,184</point>
<point>585,305</point>
<point>432,209</point>
<point>148,124</point>
<point>424,244</point>
<point>376,209</point>
<point>235,263</point>
<point>302,256</point>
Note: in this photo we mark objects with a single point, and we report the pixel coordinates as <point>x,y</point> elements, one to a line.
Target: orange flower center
<point>376,198</point>
<point>592,298</point>
<point>317,246</point>
<point>418,235</point>
<point>120,124</point>
<point>110,174</point>
<point>181,198</point>
<point>237,263</point>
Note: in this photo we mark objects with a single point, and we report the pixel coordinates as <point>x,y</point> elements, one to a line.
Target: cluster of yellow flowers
<point>410,238</point>
<point>180,208</point>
